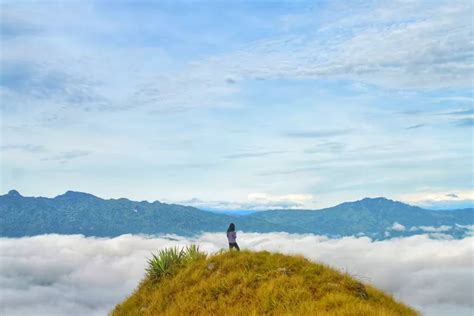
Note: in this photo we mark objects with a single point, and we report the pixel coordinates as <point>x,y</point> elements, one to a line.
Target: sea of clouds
<point>77,275</point>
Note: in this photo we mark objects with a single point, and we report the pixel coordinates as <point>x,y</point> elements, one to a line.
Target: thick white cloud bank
<point>77,275</point>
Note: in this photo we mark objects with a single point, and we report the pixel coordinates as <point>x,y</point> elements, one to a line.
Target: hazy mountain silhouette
<point>83,213</point>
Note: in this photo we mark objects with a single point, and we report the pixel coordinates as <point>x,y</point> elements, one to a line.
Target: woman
<point>232,236</point>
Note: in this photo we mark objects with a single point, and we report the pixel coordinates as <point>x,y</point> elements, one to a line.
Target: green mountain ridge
<point>84,213</point>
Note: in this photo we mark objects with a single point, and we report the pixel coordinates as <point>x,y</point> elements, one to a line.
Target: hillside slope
<point>257,283</point>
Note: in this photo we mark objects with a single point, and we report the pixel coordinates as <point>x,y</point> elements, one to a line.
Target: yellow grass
<point>258,283</point>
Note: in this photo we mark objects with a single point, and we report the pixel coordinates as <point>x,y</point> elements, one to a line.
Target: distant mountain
<point>373,217</point>
<point>83,213</point>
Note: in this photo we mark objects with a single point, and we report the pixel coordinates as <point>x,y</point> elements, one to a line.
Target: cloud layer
<point>434,200</point>
<point>256,202</point>
<point>75,275</point>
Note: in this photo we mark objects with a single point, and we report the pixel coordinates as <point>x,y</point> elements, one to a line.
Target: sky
<point>76,275</point>
<point>242,105</point>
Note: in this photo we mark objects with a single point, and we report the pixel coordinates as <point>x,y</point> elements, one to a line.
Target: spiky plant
<point>170,259</point>
<point>192,253</point>
<point>163,264</point>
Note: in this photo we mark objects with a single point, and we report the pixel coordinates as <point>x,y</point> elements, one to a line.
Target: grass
<point>186,282</point>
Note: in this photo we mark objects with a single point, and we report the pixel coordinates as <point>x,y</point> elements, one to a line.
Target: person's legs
<point>234,245</point>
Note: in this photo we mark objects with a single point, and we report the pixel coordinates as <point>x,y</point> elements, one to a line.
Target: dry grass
<point>258,283</point>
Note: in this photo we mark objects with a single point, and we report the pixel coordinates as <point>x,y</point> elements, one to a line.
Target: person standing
<point>231,237</point>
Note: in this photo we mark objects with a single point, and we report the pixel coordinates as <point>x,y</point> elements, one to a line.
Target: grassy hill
<point>251,283</point>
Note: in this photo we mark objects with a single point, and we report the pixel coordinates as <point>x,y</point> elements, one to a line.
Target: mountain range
<point>83,213</point>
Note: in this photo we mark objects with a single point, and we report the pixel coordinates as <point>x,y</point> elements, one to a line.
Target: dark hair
<point>231,228</point>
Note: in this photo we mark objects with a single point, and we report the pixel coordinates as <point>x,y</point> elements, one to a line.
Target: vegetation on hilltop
<point>251,283</point>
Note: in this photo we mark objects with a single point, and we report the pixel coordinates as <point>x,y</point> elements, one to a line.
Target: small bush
<point>192,253</point>
<point>170,259</point>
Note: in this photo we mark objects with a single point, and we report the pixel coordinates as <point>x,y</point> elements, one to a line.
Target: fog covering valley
<point>76,275</point>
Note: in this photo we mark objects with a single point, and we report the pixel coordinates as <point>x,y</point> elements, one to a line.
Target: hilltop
<point>84,213</point>
<point>256,283</point>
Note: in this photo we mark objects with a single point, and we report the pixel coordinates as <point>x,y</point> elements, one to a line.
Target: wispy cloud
<point>413,112</point>
<point>404,52</point>
<point>67,156</point>
<point>464,117</point>
<point>466,122</point>
<point>461,112</point>
<point>393,60</point>
<point>256,202</point>
<point>416,126</point>
<point>334,147</point>
<point>32,148</point>
<point>254,154</point>
<point>440,199</point>
<point>318,133</point>
<point>48,81</point>
<point>290,171</point>
<point>455,111</point>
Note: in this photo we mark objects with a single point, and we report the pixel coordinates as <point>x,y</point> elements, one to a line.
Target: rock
<point>360,291</point>
<point>283,270</point>
<point>211,266</point>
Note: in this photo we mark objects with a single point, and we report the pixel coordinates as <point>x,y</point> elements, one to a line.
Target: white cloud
<point>402,45</point>
<point>468,227</point>
<point>439,196</point>
<point>399,45</point>
<point>442,228</point>
<point>74,275</point>
<point>270,200</point>
<point>257,202</point>
<point>398,227</point>
<point>71,275</point>
<point>441,199</point>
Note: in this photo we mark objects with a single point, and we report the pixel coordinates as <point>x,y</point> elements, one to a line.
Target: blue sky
<point>248,105</point>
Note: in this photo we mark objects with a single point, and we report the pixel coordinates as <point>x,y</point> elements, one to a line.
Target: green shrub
<point>192,253</point>
<point>170,259</point>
